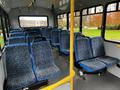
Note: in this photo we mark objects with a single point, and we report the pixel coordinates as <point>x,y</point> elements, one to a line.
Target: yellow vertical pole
<point>71,41</point>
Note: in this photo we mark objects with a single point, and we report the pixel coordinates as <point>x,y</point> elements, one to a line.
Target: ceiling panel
<point>48,3</point>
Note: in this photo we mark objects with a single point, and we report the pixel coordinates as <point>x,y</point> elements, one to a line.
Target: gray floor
<point>94,82</point>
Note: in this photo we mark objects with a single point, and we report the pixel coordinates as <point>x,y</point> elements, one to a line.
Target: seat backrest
<point>17,40</point>
<point>82,49</point>
<point>55,36</point>
<point>64,40</point>
<point>15,30</point>
<point>97,45</point>
<point>48,34</point>
<point>79,35</point>
<point>18,63</point>
<point>43,32</point>
<point>42,54</point>
<point>17,34</point>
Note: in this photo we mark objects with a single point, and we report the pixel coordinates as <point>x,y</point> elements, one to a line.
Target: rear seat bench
<point>90,55</point>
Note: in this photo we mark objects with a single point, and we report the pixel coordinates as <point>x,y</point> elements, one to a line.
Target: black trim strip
<point>112,41</point>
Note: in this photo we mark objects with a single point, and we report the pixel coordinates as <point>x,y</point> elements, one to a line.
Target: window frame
<point>92,7</point>
<point>33,16</point>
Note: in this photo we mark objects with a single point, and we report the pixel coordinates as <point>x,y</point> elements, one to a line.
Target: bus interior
<point>41,40</point>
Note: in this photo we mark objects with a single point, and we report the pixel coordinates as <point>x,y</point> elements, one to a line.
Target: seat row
<point>90,55</point>
<point>58,38</point>
<point>28,64</point>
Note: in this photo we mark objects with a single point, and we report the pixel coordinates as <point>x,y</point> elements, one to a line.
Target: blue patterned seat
<point>99,52</point>
<point>16,40</point>
<point>64,42</point>
<point>19,67</point>
<point>48,34</point>
<point>17,34</point>
<point>43,61</point>
<point>15,30</point>
<point>84,57</point>
<point>55,36</point>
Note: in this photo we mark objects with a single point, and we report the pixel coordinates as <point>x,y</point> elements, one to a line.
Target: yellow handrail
<point>72,73</point>
<point>71,41</point>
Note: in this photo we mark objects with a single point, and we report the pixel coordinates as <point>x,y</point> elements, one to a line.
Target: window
<point>92,25</point>
<point>119,6</point>
<point>63,2</point>
<point>99,9</point>
<point>1,36</point>
<point>112,7</point>
<point>113,26</point>
<point>76,23</point>
<point>91,10</point>
<point>84,12</point>
<point>60,3</point>
<point>4,25</point>
<point>33,21</point>
<point>62,21</point>
<point>78,13</point>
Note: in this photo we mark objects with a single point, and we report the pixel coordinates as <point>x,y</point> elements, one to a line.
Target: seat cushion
<point>92,65</point>
<point>97,45</point>
<point>109,61</point>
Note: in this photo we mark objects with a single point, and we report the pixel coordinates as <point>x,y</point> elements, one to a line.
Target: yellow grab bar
<point>71,41</point>
<point>63,81</point>
<point>72,73</point>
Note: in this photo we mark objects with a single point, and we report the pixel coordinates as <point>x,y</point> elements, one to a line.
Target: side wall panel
<point>15,13</point>
<point>114,51</point>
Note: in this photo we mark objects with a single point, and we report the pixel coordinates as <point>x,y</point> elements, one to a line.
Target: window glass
<point>112,7</point>
<point>62,22</point>
<point>1,36</point>
<point>60,3</point>
<point>78,13</point>
<point>63,1</point>
<point>113,26</point>
<point>84,12</point>
<point>67,1</point>
<point>4,25</point>
<point>92,25</point>
<point>99,9</point>
<point>33,21</point>
<point>119,6</point>
<point>91,10</point>
<point>76,23</point>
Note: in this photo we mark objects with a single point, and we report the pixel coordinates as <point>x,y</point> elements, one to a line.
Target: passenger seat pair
<point>90,55</point>
<point>28,66</point>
